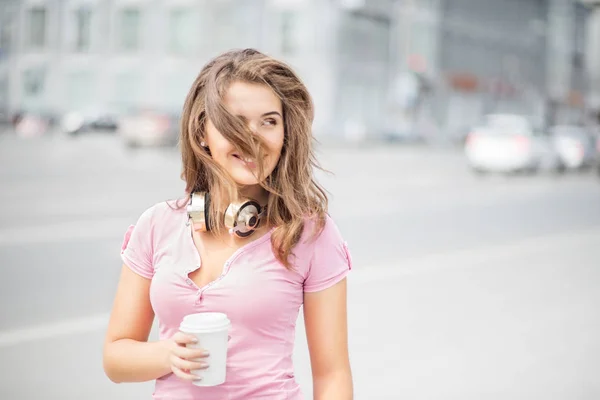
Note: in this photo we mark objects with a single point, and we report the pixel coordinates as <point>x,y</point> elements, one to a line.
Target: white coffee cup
<point>212,331</point>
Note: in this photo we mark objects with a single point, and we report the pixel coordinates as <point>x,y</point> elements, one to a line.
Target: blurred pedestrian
<point>250,239</point>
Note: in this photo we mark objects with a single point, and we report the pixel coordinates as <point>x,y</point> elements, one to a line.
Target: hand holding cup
<point>183,359</point>
<point>211,330</point>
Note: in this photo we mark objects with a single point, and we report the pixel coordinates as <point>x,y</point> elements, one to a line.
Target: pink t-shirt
<point>259,295</point>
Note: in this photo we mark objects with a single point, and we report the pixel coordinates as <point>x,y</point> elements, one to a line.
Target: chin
<point>245,180</point>
<point>243,177</point>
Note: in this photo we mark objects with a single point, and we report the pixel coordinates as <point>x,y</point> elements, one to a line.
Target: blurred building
<point>58,56</point>
<point>526,57</point>
<point>116,54</point>
<point>404,68</point>
<point>593,59</point>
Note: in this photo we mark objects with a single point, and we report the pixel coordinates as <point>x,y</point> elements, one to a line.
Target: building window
<point>3,93</point>
<point>183,34</point>
<point>129,29</point>
<point>83,29</point>
<point>232,24</point>
<point>288,39</point>
<point>37,27</point>
<point>224,27</point>
<point>580,27</point>
<point>33,81</point>
<point>6,29</point>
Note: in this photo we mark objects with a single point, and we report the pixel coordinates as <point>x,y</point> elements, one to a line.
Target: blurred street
<point>463,287</point>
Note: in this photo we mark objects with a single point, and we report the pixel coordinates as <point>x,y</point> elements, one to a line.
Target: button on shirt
<point>260,296</point>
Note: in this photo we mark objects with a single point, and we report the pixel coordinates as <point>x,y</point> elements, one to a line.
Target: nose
<point>253,126</point>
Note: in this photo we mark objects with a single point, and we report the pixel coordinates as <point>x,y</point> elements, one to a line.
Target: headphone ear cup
<point>249,212</point>
<point>207,211</point>
<point>197,212</point>
<point>243,217</point>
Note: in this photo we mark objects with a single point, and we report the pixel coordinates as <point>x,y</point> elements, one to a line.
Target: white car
<point>149,129</point>
<point>509,143</point>
<point>575,146</point>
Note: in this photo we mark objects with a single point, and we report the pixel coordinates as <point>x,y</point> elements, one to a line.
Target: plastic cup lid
<point>205,321</point>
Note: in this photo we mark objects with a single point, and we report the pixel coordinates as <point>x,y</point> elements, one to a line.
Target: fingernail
<point>194,339</point>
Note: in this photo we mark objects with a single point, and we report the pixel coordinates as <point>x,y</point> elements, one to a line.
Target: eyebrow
<point>271,113</point>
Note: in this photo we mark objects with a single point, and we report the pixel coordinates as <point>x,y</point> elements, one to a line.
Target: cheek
<point>275,144</point>
<point>219,147</point>
<point>219,153</point>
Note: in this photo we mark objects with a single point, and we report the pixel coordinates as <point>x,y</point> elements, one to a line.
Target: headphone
<point>241,217</point>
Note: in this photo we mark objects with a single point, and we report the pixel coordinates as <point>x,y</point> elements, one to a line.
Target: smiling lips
<point>248,162</point>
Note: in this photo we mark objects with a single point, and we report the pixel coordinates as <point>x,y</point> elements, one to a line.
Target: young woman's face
<point>259,105</point>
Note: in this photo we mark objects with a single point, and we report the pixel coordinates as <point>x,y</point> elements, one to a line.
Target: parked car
<point>507,143</point>
<point>76,122</point>
<point>33,124</point>
<point>575,146</point>
<point>105,122</point>
<point>149,128</point>
<point>598,154</point>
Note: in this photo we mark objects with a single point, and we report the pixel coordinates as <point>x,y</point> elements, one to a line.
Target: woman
<point>245,134</point>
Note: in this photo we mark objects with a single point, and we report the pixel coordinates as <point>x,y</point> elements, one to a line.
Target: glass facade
<point>36,32</point>
<point>83,29</point>
<point>129,28</point>
<point>183,31</point>
<point>423,67</point>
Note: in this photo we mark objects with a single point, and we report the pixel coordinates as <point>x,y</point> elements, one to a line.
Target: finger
<point>188,353</point>
<point>187,365</point>
<point>182,339</point>
<point>184,375</point>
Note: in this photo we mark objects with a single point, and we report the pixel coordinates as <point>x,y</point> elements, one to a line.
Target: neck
<point>255,192</point>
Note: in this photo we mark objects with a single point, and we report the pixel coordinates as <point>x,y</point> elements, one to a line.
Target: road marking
<point>66,231</point>
<point>49,331</point>
<point>466,258</point>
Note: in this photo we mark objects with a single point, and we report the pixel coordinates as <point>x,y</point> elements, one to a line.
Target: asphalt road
<point>463,288</point>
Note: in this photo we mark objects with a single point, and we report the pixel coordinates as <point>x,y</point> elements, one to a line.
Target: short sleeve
<point>330,261</point>
<point>137,250</point>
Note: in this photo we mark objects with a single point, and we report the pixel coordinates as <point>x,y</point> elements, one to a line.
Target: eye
<point>269,122</point>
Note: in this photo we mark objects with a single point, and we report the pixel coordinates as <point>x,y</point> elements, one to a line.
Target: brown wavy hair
<point>294,195</point>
